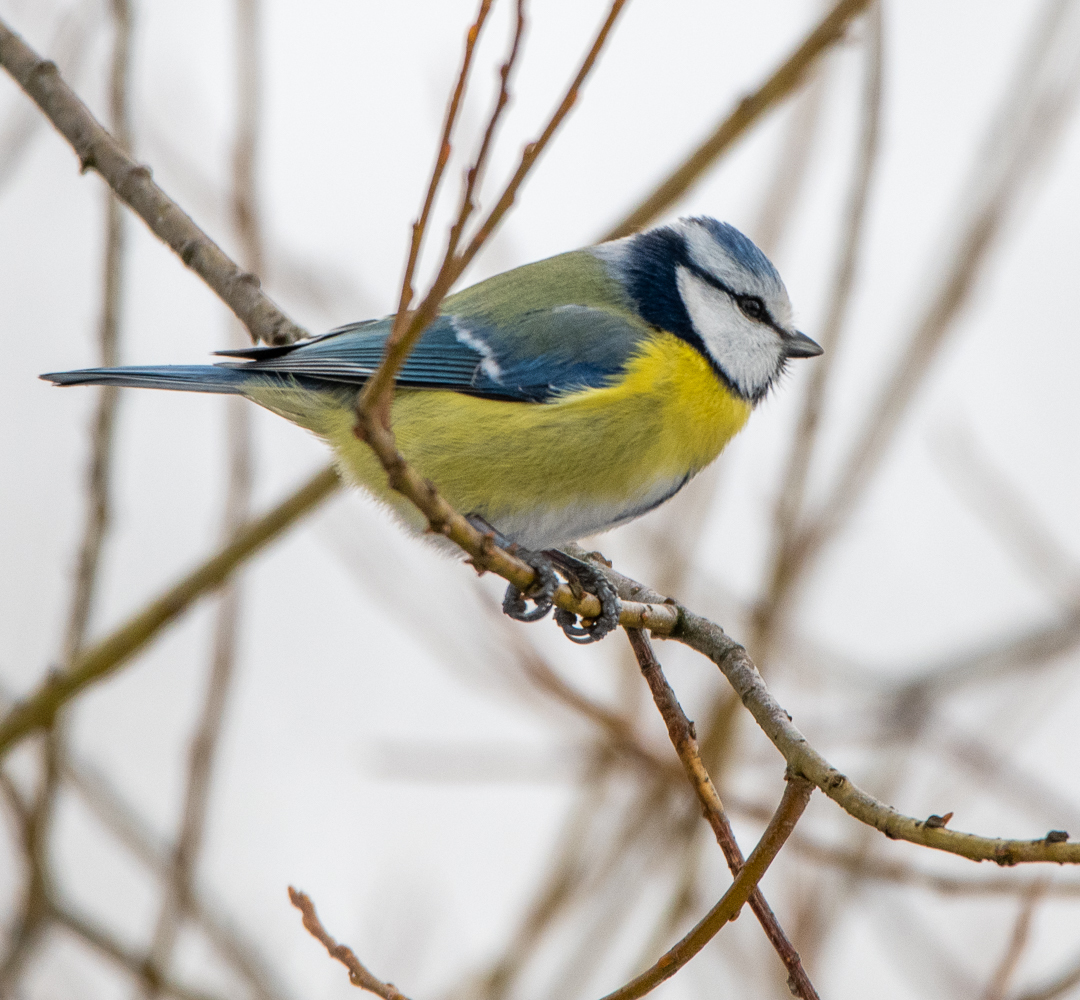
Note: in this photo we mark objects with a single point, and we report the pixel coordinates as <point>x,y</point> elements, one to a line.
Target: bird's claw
<point>589,579</point>
<point>540,593</point>
<point>581,576</point>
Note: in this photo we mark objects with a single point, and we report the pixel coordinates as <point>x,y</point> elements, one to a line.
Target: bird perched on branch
<point>549,402</point>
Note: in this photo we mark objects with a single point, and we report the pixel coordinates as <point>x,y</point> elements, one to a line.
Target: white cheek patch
<point>750,354</point>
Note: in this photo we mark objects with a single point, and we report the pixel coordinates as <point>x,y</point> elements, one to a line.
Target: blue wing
<point>537,356</point>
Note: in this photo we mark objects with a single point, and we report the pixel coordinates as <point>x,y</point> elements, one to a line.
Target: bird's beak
<point>799,345</point>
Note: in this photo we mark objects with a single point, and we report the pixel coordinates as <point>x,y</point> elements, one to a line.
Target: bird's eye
<point>752,307</point>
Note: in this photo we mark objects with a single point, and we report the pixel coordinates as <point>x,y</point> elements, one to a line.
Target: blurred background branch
<point>970,713</point>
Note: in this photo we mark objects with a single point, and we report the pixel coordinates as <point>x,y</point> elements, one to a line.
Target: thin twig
<point>681,731</point>
<point>358,974</point>
<point>419,227</point>
<point>784,80</point>
<point>474,175</point>
<point>372,406</point>
<point>796,795</point>
<point>711,641</point>
<point>859,864</point>
<point>43,703</point>
<point>98,150</point>
<point>802,758</point>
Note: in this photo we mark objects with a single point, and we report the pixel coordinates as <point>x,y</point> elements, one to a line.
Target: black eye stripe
<point>737,297</point>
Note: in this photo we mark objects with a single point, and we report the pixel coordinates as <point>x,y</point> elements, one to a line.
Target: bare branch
<point>796,795</point>
<point>475,173</point>
<point>681,731</point>
<point>358,974</point>
<point>98,150</point>
<point>373,405</point>
<point>784,80</point>
<point>739,669</point>
<point>419,228</point>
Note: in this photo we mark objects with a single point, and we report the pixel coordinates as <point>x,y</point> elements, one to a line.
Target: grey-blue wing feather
<point>540,355</point>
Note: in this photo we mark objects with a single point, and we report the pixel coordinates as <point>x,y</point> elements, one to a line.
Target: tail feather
<point>190,378</point>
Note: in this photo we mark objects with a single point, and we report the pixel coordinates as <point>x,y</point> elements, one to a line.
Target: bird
<point>547,403</point>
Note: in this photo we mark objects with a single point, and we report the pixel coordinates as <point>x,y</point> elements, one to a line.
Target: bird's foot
<point>586,578</point>
<point>579,574</point>
<point>544,585</point>
<point>540,593</point>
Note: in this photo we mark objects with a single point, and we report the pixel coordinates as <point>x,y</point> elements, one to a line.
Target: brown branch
<point>102,658</point>
<point>796,795</point>
<point>372,407</point>
<point>358,974</point>
<point>419,228</point>
<point>860,865</point>
<point>711,641</point>
<point>683,738</point>
<point>475,173</point>
<point>98,150</point>
<point>732,659</point>
<point>784,80</point>
<point>40,706</point>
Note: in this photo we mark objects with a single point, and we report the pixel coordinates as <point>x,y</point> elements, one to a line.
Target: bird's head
<point>705,282</point>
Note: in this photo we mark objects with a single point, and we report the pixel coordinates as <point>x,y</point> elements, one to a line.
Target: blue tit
<point>552,401</point>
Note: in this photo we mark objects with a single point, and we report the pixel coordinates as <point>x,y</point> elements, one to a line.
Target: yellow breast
<point>583,462</point>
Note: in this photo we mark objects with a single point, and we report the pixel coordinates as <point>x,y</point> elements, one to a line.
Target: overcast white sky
<point>426,880</point>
